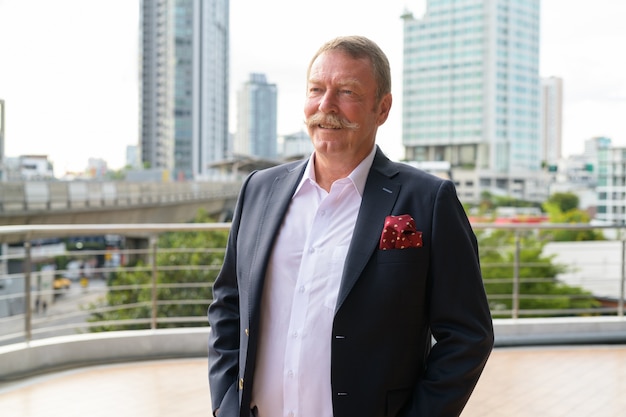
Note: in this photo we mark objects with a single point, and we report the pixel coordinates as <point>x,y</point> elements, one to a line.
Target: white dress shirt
<point>292,376</point>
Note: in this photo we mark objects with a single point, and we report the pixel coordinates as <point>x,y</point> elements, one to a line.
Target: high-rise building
<point>611,189</point>
<point>132,157</point>
<point>551,119</point>
<point>581,174</point>
<point>471,94</point>
<point>2,169</point>
<point>596,151</point>
<point>256,118</point>
<point>184,85</point>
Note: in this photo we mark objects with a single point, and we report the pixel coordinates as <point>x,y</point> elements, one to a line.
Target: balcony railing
<point>149,276</point>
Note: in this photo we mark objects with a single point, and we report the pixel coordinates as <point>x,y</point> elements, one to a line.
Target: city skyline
<point>68,73</point>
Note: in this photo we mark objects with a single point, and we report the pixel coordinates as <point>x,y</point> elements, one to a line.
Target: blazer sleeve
<point>459,316</point>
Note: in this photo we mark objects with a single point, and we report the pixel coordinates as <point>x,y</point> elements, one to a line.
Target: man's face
<point>340,108</point>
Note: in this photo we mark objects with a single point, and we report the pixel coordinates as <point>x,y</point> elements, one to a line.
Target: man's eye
<point>346,92</point>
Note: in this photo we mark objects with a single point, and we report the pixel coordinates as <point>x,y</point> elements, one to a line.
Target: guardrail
<point>596,267</point>
<point>166,282</point>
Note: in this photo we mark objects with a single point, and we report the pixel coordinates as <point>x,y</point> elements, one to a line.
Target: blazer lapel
<point>270,218</point>
<point>379,197</point>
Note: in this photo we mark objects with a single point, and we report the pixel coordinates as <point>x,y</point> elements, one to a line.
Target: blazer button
<point>240,384</point>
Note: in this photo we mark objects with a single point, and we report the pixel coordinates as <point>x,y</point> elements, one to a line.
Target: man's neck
<point>329,169</point>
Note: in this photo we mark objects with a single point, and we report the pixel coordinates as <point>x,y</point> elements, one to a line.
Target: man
<point>351,285</point>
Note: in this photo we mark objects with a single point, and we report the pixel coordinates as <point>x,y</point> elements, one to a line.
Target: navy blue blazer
<point>412,329</point>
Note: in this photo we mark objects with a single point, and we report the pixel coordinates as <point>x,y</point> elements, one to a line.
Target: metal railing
<point>587,277</point>
<point>154,280</point>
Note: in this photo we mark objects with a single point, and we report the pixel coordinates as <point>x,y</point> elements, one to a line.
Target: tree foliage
<point>187,264</point>
<point>564,201</point>
<point>539,288</point>
<point>563,208</point>
<point>489,202</point>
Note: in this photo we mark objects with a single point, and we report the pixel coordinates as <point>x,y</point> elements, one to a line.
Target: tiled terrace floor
<point>585,381</point>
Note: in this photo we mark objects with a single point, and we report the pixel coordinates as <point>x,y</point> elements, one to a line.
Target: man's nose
<point>328,102</point>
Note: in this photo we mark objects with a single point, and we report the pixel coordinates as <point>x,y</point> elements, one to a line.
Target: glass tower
<point>2,174</point>
<point>184,85</point>
<point>471,91</point>
<point>552,118</point>
<point>256,118</point>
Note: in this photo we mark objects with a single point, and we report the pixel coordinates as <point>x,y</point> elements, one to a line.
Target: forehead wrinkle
<point>351,82</point>
<point>337,81</point>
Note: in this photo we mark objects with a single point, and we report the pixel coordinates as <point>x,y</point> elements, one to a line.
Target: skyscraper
<point>471,94</point>
<point>611,189</point>
<point>551,118</point>
<point>184,85</point>
<point>2,169</point>
<point>256,118</point>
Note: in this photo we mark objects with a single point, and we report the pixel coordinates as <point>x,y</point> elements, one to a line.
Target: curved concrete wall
<point>25,359</point>
<point>36,357</point>
<point>560,331</point>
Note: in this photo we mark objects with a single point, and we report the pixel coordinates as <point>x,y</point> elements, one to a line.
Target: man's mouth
<point>330,122</point>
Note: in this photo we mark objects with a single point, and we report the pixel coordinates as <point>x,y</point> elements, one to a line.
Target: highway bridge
<point>114,202</point>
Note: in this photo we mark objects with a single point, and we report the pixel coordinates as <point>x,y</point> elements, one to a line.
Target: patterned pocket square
<point>400,233</point>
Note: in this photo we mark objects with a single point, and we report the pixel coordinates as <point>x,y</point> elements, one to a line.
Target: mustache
<point>330,120</point>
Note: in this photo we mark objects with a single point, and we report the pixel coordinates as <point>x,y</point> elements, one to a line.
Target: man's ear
<point>383,109</point>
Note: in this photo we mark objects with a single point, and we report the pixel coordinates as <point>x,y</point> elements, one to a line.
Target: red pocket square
<point>400,233</point>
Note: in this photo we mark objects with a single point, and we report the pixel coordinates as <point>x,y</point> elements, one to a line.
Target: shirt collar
<point>358,176</point>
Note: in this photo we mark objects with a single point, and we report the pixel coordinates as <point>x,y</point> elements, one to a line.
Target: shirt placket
<point>311,271</point>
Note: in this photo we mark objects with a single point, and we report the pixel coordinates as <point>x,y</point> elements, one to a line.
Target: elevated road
<point>83,202</point>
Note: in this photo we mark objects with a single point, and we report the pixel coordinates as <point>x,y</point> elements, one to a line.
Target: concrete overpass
<point>113,202</point>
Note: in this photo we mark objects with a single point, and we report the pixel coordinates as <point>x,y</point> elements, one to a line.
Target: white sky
<point>68,68</point>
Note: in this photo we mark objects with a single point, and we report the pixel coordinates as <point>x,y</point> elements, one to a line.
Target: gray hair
<point>361,47</point>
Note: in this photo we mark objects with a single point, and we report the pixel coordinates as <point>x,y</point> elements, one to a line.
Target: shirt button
<point>301,289</point>
<point>290,373</point>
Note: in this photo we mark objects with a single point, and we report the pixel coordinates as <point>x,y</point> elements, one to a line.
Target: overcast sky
<point>68,68</point>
